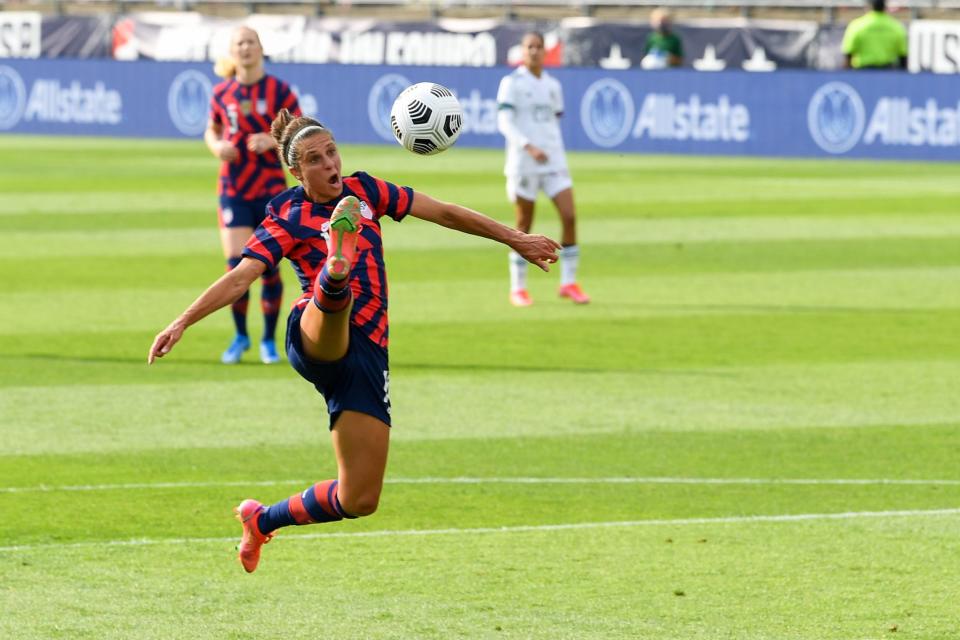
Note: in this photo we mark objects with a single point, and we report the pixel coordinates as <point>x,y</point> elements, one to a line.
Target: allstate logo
<point>189,101</point>
<point>382,94</point>
<point>836,117</point>
<point>606,112</point>
<point>13,97</point>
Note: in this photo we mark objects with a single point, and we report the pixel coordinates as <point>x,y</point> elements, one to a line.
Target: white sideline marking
<point>848,515</point>
<point>614,480</point>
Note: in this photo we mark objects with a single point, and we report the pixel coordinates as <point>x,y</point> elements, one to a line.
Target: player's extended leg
<point>271,295</point>
<point>361,442</point>
<point>325,325</point>
<point>519,297</point>
<point>233,240</point>
<point>570,252</point>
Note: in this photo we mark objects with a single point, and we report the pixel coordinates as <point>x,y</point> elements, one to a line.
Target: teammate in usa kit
<point>238,133</point>
<point>530,103</point>
<point>337,332</point>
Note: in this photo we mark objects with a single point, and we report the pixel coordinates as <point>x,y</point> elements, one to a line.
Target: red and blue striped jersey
<point>293,229</point>
<point>244,109</point>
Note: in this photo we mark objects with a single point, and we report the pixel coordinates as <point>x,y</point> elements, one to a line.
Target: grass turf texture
<point>751,319</point>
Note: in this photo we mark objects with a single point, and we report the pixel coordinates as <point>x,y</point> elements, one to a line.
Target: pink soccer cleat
<point>574,292</point>
<point>520,298</point>
<point>343,232</point>
<point>248,513</point>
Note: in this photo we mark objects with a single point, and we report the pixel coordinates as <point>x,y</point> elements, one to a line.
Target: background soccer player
<point>329,228</point>
<point>530,104</point>
<point>241,110</point>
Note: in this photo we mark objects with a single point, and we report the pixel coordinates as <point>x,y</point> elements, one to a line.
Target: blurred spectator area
<point>824,11</point>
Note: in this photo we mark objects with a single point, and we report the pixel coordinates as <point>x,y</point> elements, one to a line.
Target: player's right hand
<point>537,249</point>
<point>228,152</point>
<point>537,154</point>
<point>164,341</point>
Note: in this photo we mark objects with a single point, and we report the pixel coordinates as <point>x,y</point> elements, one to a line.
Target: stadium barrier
<point>709,44</point>
<point>792,113</point>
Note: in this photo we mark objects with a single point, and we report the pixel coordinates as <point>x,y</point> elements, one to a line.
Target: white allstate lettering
<point>35,101</point>
<point>740,123</point>
<point>662,116</point>
<point>710,125</point>
<point>879,123</point>
<point>681,122</point>
<point>479,114</point>
<point>49,102</point>
<point>947,129</point>
<point>932,114</point>
<point>896,122</point>
<point>646,120</point>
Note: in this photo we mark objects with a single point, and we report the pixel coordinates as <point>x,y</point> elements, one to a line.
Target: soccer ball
<point>426,118</point>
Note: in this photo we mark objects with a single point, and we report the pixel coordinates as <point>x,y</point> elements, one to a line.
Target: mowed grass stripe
<point>676,522</point>
<point>152,486</point>
<point>417,235</point>
<point>598,592</point>
<point>670,344</point>
<point>866,290</point>
<point>827,452</point>
<point>194,269</point>
<point>168,415</point>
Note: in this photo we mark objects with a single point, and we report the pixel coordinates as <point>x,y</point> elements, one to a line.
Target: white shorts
<point>527,186</point>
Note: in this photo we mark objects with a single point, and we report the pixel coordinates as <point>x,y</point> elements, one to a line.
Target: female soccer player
<point>241,110</point>
<point>530,102</point>
<point>329,228</point>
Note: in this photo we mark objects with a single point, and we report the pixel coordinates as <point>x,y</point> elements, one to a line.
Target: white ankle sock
<point>518,272</point>
<point>569,261</point>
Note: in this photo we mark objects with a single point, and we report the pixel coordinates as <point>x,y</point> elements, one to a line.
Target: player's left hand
<point>261,142</point>
<point>540,250</point>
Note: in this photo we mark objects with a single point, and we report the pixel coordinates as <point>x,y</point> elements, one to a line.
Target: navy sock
<point>271,295</point>
<point>331,294</point>
<point>239,308</point>
<point>319,503</point>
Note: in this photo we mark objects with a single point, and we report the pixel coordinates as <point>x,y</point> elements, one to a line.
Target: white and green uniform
<point>529,110</point>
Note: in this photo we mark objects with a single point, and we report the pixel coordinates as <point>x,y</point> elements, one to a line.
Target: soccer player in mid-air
<point>530,103</point>
<point>238,133</point>
<point>329,228</point>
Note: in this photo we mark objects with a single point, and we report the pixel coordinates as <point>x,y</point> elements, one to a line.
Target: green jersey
<point>875,40</point>
<point>663,44</point>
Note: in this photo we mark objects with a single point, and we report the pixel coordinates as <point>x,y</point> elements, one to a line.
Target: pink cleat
<point>248,513</point>
<point>575,293</point>
<point>520,298</point>
<point>343,232</point>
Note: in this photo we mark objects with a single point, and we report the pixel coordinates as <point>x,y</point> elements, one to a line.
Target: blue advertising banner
<point>787,113</point>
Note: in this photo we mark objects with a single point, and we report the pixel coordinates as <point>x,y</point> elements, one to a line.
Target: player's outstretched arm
<point>540,250</point>
<point>224,291</point>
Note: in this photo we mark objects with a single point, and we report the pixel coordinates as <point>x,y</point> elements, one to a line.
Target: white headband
<point>296,138</point>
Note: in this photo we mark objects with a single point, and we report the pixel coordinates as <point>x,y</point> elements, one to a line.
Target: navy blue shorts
<point>359,381</point>
<point>237,212</point>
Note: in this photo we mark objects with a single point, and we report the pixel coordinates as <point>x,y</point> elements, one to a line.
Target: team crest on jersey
<point>365,211</point>
<point>246,107</point>
<point>262,105</point>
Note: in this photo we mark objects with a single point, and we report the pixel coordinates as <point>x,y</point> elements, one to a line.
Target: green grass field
<point>752,432</point>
